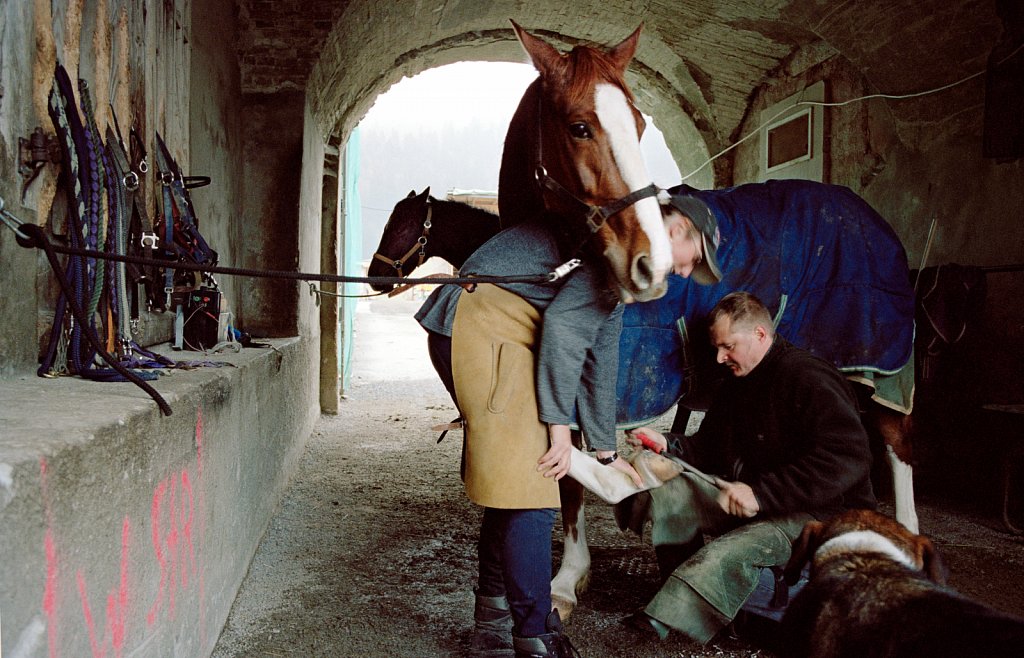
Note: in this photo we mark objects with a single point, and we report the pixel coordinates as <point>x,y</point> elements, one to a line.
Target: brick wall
<point>280,41</point>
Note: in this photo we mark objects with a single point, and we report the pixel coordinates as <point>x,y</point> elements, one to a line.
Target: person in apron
<point>522,363</point>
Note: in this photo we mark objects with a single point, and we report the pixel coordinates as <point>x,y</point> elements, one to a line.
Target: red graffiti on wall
<point>117,605</point>
<point>174,535</point>
<point>171,516</point>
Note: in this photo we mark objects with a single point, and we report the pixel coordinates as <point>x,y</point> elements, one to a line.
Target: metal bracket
<point>34,153</point>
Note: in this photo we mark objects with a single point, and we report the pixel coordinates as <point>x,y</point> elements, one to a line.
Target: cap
<point>707,271</point>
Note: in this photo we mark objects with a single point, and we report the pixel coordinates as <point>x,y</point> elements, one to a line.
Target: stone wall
<point>127,532</point>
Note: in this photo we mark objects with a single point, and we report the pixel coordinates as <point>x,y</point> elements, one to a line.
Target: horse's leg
<point>612,485</point>
<point>895,430</point>
<point>574,573</point>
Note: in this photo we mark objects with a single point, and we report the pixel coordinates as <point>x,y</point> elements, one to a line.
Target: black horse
<point>421,226</point>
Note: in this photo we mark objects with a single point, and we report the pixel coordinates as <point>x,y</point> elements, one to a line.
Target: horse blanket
<point>829,268</point>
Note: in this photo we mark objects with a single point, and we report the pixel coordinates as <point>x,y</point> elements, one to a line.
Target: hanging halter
<point>419,246</point>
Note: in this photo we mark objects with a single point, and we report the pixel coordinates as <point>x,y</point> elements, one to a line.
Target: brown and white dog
<point>878,590</point>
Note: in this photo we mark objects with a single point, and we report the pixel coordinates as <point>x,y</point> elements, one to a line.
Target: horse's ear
<point>622,54</point>
<point>931,564</point>
<point>543,55</point>
<point>803,551</point>
<point>422,196</point>
<point>411,194</point>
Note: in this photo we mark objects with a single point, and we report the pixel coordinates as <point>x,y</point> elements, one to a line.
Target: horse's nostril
<point>642,273</point>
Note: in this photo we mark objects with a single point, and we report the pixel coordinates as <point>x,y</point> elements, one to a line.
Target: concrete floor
<point>372,550</point>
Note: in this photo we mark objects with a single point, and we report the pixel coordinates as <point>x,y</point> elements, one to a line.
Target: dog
<point>876,590</point>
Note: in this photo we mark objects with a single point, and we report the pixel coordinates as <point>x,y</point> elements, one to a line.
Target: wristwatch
<point>604,461</point>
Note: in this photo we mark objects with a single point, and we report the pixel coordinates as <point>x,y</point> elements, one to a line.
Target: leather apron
<point>494,336</point>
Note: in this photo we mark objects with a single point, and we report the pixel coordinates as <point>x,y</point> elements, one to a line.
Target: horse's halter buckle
<point>420,246</point>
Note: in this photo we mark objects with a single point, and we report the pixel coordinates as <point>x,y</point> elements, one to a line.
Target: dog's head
<point>864,531</point>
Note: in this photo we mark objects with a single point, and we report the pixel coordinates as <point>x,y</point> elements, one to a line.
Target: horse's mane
<point>462,209</point>
<point>519,198</point>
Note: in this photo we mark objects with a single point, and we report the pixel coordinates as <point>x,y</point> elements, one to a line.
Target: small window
<point>789,141</point>
<point>793,137</point>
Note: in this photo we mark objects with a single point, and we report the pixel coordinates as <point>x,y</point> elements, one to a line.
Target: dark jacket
<point>791,430</point>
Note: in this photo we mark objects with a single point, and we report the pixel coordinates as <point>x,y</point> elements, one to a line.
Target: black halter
<point>595,216</point>
<point>419,246</point>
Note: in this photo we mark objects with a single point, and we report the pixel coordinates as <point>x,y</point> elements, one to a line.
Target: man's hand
<point>653,436</point>
<point>556,461</point>
<point>737,499</point>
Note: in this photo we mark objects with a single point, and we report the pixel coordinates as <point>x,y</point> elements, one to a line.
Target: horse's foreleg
<point>895,430</point>
<point>612,485</point>
<point>574,572</point>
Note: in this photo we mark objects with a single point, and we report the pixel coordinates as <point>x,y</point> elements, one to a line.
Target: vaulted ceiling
<point>697,67</point>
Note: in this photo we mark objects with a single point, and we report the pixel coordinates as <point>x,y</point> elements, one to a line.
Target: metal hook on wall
<point>34,153</point>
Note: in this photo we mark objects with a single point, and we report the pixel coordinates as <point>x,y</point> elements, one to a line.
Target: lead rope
<point>73,189</point>
<point>120,186</point>
<point>97,180</point>
<point>36,234</point>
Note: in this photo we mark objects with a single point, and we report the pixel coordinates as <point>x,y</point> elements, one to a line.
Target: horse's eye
<point>580,130</point>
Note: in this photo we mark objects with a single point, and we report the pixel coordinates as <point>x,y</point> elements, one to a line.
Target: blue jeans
<point>515,561</point>
<point>515,544</point>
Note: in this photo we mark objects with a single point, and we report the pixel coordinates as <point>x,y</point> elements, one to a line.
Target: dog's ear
<point>803,549</point>
<point>931,564</point>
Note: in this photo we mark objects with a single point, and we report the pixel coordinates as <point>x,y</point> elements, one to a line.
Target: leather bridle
<point>420,246</point>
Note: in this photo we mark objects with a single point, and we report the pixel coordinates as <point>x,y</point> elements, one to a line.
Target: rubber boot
<point>553,644</point>
<point>492,630</point>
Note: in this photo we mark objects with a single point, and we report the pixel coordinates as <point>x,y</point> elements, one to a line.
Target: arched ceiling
<point>697,67</point>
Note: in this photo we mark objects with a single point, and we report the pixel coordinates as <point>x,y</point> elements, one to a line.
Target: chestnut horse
<point>572,154</point>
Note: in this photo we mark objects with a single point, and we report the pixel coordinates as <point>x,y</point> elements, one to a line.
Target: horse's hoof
<point>654,469</point>
<point>563,606</point>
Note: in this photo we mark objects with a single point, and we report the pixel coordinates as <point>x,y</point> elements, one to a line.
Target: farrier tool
<point>686,466</point>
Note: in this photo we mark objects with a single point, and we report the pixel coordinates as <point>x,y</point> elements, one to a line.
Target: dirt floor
<point>372,552</point>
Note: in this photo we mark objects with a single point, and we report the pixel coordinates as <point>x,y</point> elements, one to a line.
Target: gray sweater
<point>578,355</point>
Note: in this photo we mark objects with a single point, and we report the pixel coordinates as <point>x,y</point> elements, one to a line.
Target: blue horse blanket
<point>828,267</point>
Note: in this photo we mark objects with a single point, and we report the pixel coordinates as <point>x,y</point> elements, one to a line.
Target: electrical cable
<point>841,104</point>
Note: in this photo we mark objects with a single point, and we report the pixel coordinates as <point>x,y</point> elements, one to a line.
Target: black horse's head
<point>403,245</point>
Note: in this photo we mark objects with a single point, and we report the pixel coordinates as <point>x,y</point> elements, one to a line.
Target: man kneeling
<point>786,439</point>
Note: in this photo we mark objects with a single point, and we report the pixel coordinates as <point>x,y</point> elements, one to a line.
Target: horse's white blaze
<point>616,117</point>
<point>864,541</point>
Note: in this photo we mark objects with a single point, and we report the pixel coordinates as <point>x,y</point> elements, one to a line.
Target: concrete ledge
<point>125,532</point>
